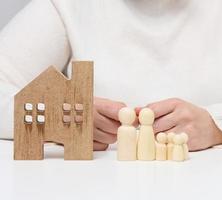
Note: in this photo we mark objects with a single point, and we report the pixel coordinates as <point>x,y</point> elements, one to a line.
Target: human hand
<point>176,115</point>
<point>106,122</point>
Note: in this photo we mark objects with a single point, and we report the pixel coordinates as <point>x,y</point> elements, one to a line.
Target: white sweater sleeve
<point>32,41</point>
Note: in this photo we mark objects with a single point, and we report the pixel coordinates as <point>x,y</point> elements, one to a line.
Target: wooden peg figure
<point>170,145</point>
<point>185,147</point>
<point>161,147</point>
<point>146,140</point>
<point>126,135</point>
<point>178,152</point>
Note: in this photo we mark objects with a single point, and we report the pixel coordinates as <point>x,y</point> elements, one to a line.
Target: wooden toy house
<point>53,108</point>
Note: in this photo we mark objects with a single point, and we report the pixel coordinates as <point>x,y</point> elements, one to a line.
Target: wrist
<point>217,136</point>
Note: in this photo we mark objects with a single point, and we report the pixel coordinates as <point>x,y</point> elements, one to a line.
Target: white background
<point>105,178</point>
<point>8,9</point>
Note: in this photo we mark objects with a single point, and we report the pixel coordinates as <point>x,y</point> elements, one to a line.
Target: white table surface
<point>106,178</point>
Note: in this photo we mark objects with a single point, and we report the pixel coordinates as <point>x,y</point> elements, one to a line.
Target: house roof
<point>50,71</point>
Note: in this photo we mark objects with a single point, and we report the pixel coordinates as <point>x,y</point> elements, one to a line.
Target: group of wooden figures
<point>144,145</point>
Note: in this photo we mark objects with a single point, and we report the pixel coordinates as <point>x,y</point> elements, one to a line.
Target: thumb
<point>108,108</point>
<point>160,108</point>
<point>138,109</point>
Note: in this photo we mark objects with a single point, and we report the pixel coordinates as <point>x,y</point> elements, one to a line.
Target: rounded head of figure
<point>178,139</point>
<point>127,116</point>
<point>185,136</point>
<point>170,137</point>
<point>146,117</point>
<point>161,138</point>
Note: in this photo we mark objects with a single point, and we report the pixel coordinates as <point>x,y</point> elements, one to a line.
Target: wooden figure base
<point>53,108</point>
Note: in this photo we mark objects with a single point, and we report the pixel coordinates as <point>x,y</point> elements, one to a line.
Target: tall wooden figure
<point>126,135</point>
<point>53,108</point>
<point>146,139</point>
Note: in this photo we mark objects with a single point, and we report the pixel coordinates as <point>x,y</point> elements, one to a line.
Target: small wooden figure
<point>178,151</point>
<point>126,135</point>
<point>161,147</point>
<point>170,145</point>
<point>185,147</point>
<point>146,140</point>
<point>53,108</point>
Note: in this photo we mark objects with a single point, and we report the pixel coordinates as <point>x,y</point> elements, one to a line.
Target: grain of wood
<point>53,89</point>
